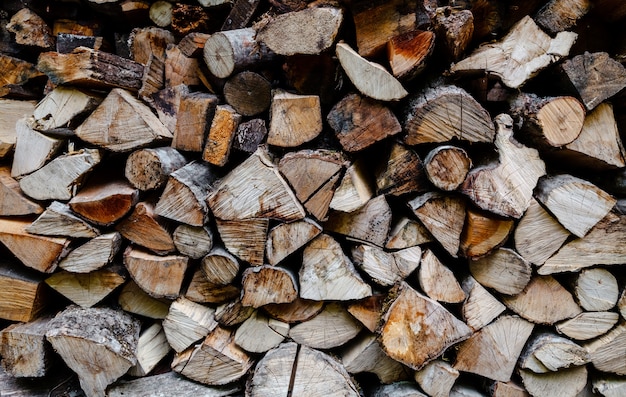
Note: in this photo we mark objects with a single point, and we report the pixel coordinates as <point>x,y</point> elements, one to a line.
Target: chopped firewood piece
<point>169,383</point>
<point>161,13</point>
<point>454,30</point>
<point>294,312</point>
<point>364,354</point>
<point>149,41</point>
<point>294,119</point>
<point>408,53</point>
<point>480,307</point>
<point>402,173</point>
<point>193,121</point>
<point>258,333</point>
<point>24,350</point>
<point>355,189</point>
<point>32,149</point>
<point>443,216</point>
<point>483,232</point>
<point>507,389</point>
<point>416,329</point>
<point>386,268</point>
<point>192,44</point>
<point>232,313</point>
<point>369,224</point>
<point>152,347</point>
<point>135,300</point>
<point>504,270</point>
<point>122,123</point>
<point>328,274</point>
<point>286,238</point>
<point>87,289</point>
<point>180,69</point>
<point>403,388</point>
<point>595,77</point>
<point>68,42</point>
<point>538,235</point>
<point>59,220</point>
<point>237,196</point>
<point>201,291</point>
<point>12,200</point>
<point>292,369</point>
<point>153,80</point>
<point>240,14</point>
<point>12,111</point>
<point>406,233</point>
<point>104,202</point>
<point>31,30</point>
<point>90,68</point>
<point>143,227</point>
<point>92,255</point>
<point>493,351</point>
<point>437,378</point>
<point>37,252</point>
<point>447,166</point>
<point>332,327</point>
<point>148,169</point>
<point>215,361</point>
<point>560,15</point>
<point>159,276</point>
<point>188,18</point>
<point>231,51</point>
<point>219,266</point>
<point>221,135</point>
<point>98,344</point>
<point>368,311</point>
<point>252,248</point>
<point>187,322</point>
<point>577,204</point>
<point>60,110</point>
<point>547,352</point>
<point>437,281</point>
<point>262,285</point>
<point>59,179</point>
<point>23,296</point>
<point>370,78</point>
<point>496,58</point>
<point>621,304</point>
<point>510,192</point>
<point>166,102</point>
<point>442,112</point>
<point>609,386</point>
<point>536,302</point>
<point>608,351</point>
<point>248,93</point>
<point>596,290</point>
<point>193,241</point>
<point>588,325</point>
<point>250,134</point>
<point>567,382</point>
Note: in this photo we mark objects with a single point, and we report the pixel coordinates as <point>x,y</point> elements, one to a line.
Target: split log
<point>408,53</point>
<point>262,285</point>
<point>135,300</point>
<point>87,289</point>
<point>332,327</point>
<point>59,220</point>
<point>504,270</point>
<point>442,112</point>
<point>23,296</point>
<point>83,337</point>
<point>159,276</point>
<point>193,120</point>
<point>143,227</point>
<point>369,224</point>
<point>221,135</point>
<point>507,389</point>
<point>607,352</point>
<point>514,72</point>
<point>354,190</point>
<point>21,72</point>
<point>180,69</point>
<point>402,173</point>
<point>560,15</point>
<point>596,290</point>
<point>24,350</point>
<point>166,102</point>
<point>104,202</point>
<point>483,233</point>
<point>149,41</point>
<point>364,354</point>
<point>152,347</point>
<point>169,384</point>
<point>187,322</point>
<point>251,249</point>
<point>368,311</point>
<point>406,233</point>
<point>437,378</point>
<point>328,274</point>
<point>547,352</point>
<point>387,268</point>
<point>240,14</point>
<point>14,110</point>
<point>286,238</point>
<point>232,313</point>
<point>294,119</point>
<point>201,291</point>
<point>122,123</point>
<point>219,267</point>
<point>250,135</point>
<point>248,93</point>
<point>192,45</point>
<point>12,200</point>
<point>454,30</point>
<point>294,312</point>
<point>512,190</point>
<point>92,255</point>
<point>259,334</point>
<point>480,308</point>
<point>30,29</point>
<point>566,383</point>
<point>437,281</point>
<point>193,241</point>
<point>148,169</point>
<point>609,386</point>
<point>32,149</point>
<point>447,166</point>
<point>588,325</point>
<point>621,304</point>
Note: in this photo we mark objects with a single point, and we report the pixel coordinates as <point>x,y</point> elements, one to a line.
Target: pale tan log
<point>87,289</point>
<point>370,223</point>
<point>294,119</point>
<point>161,13</point>
<point>192,44</point>
<point>560,15</point>
<point>511,179</point>
<point>193,120</point>
<point>24,350</point>
<point>221,135</point>
<point>250,135</point>
<point>442,112</point>
<point>145,228</point>
<point>83,337</point>
<point>368,311</point>
<point>332,327</point>
<point>187,322</point>
<point>483,232</point>
<point>32,149</point>
<point>328,274</point>
<point>60,110</point>
<point>122,123</point>
<point>528,61</point>
<point>234,50</point>
<point>577,204</point>
<point>535,302</point>
<point>12,200</point>
<point>219,266</point>
<point>437,378</point>
<point>406,233</point>
<point>416,329</point>
<point>193,241</point>
<point>354,190</point>
<point>588,325</point>
<point>104,202</point>
<point>31,30</point>
<point>180,69</point>
<point>233,313</point>
<point>184,197</point>
<point>296,370</point>
<point>609,386</point>
<point>454,30</point>
<point>401,173</point>
<point>59,220</point>
<point>493,351</point>
<point>23,296</point>
<point>409,53</point>
<point>387,268</point>
<point>235,199</point>
<point>446,166</point>
<point>596,248</point>
<point>262,285</point>
<point>294,312</point>
<point>151,40</point>
<point>159,276</point>
<point>360,122</point>
<point>201,291</point>
<point>286,238</point>
<point>567,383</point>
<point>148,169</point>
<point>135,300</point>
<point>152,347</point>
<point>596,290</point>
<point>309,31</point>
<point>504,270</point>
<point>538,235</point>
<point>169,384</point>
<point>37,252</point>
<point>371,79</point>
<point>251,248</point>
<point>438,281</point>
<point>259,333</point>
<point>59,179</point>
<point>507,389</point>
<point>215,361</point>
<point>364,354</point>
<point>547,352</point>
<point>608,351</point>
<point>480,307</point>
<point>443,216</point>
<point>13,110</point>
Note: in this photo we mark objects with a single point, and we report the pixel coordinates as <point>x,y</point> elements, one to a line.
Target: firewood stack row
<point>328,198</point>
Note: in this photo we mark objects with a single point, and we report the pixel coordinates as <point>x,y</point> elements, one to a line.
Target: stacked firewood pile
<point>328,198</point>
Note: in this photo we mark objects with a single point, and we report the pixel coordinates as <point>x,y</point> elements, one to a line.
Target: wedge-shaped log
<point>250,249</point>
<point>12,199</point>
<point>332,327</point>
<point>567,383</point>
<point>437,378</point>
<point>24,350</point>
<point>607,352</point>
<point>402,173</point>
<point>262,285</point>
<point>354,190</point>
<point>408,53</point>
<point>294,119</point>
<point>368,311</point>
<point>587,325</point>
<point>104,202</point>
<point>148,169</point>
<point>135,300</point>
<point>193,241</point>
<point>143,227</point>
<point>437,280</point>
<point>187,322</point>
<point>364,354</point>
<point>547,352</point>
<point>369,223</point>
<point>294,312</point>
<point>15,110</point>
<point>87,289</point>
<point>23,296</point>
<point>233,313</point>
<point>152,347</point>
<point>480,307</point>
<point>504,270</point>
<point>180,69</point>
<point>169,383</point>
<point>32,149</point>
<point>406,233</point>
<point>259,333</point>
<point>59,220</point>
<point>159,276</point>
<point>147,41</point>
<point>219,266</point>
<point>286,238</point>
<point>62,108</point>
<point>483,232</point>
<point>387,268</point>
<point>200,290</point>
